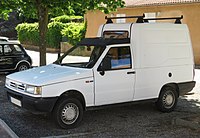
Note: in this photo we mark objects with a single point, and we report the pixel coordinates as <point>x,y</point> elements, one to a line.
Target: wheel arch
<point>22,62</point>
<point>73,94</point>
<point>174,85</point>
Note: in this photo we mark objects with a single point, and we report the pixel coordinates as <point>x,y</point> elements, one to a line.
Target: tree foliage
<point>42,9</point>
<point>74,32</point>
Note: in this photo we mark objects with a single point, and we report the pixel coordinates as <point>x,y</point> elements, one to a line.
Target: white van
<point>125,63</point>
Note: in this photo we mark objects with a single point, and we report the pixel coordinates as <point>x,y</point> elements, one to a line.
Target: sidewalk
<point>5,131</point>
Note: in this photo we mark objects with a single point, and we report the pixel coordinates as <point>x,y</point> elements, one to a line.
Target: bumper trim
<point>33,104</point>
<point>186,87</point>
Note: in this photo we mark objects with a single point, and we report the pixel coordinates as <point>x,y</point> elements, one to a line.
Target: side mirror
<point>105,65</point>
<point>101,69</point>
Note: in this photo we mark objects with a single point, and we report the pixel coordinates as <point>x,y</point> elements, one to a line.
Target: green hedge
<point>54,36</point>
<point>29,34</point>
<point>67,19</point>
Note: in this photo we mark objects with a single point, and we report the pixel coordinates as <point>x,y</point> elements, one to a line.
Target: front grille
<point>17,86</point>
<point>12,84</point>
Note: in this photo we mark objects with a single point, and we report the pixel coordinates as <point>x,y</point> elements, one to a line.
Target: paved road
<point>137,120</point>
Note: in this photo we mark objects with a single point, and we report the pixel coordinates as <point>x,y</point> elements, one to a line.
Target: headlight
<point>34,90</point>
<point>7,82</point>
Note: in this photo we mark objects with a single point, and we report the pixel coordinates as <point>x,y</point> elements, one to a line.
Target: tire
<point>68,113</point>
<point>167,99</point>
<point>22,66</point>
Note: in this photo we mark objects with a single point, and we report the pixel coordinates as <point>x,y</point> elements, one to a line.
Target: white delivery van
<point>125,63</point>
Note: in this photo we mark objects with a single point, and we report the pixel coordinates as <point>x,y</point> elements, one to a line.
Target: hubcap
<point>23,67</point>
<point>168,99</point>
<point>70,113</point>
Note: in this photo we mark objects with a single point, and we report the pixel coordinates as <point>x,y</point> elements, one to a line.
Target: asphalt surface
<point>137,120</point>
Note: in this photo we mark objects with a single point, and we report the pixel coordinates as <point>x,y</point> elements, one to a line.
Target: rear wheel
<point>167,99</point>
<point>22,66</point>
<point>68,112</point>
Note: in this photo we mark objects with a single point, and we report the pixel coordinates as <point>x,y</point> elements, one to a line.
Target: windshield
<point>81,56</point>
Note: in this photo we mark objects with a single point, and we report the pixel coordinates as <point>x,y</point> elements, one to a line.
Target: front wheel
<point>68,112</point>
<point>167,99</point>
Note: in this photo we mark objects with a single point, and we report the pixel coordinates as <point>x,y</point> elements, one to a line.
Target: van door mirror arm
<point>101,70</point>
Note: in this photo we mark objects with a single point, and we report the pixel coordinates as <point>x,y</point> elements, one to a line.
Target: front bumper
<point>32,104</point>
<point>186,87</point>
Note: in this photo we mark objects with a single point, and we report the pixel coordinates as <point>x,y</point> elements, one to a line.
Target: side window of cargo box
<point>118,58</point>
<point>115,34</point>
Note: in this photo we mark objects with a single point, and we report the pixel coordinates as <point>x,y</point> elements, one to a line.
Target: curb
<point>185,122</point>
<point>5,130</point>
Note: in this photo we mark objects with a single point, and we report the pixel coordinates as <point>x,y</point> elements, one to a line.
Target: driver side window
<point>117,58</point>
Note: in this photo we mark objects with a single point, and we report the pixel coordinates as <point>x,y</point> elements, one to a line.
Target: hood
<point>49,74</point>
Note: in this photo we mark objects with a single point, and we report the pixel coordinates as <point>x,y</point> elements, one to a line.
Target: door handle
<point>131,72</point>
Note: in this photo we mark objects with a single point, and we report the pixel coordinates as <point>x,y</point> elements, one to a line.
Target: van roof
<point>8,42</point>
<point>2,38</point>
<point>99,41</point>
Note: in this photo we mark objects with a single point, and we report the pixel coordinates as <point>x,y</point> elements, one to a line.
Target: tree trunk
<point>43,25</point>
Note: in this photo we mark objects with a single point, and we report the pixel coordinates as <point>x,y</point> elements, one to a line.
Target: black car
<point>13,57</point>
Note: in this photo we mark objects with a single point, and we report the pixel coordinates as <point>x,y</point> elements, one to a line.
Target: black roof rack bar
<point>139,18</point>
<point>177,19</point>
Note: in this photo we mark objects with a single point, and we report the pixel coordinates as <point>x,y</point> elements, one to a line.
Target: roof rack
<point>140,19</point>
<point>177,19</point>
